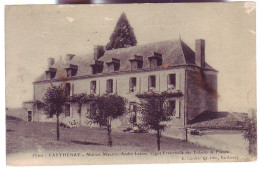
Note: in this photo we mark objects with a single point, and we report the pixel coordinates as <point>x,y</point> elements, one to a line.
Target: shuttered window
<point>109,86</point>
<point>67,110</point>
<point>93,86</point>
<point>151,82</point>
<point>132,84</point>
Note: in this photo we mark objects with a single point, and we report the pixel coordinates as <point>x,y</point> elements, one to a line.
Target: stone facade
<point>162,66</point>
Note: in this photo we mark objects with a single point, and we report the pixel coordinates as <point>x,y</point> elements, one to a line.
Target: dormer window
<point>97,67</point>
<point>50,73</point>
<point>155,60</point>
<point>137,62</point>
<point>71,70</point>
<point>113,65</point>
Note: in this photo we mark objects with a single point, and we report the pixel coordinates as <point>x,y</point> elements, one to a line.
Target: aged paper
<point>135,83</point>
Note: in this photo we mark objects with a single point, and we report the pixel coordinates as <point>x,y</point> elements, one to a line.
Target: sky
<point>35,33</point>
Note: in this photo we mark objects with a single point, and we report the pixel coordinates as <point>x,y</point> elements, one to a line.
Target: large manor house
<point>170,66</point>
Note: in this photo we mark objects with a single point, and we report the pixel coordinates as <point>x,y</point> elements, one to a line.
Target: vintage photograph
<point>130,83</point>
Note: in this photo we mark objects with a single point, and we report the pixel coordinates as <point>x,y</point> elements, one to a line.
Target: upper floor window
<point>132,84</point>
<point>109,86</point>
<point>93,87</point>
<point>151,83</point>
<point>171,81</point>
<point>67,89</point>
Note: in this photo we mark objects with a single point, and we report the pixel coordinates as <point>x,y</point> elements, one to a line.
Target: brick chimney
<point>51,61</point>
<point>69,57</point>
<point>200,52</point>
<point>99,51</point>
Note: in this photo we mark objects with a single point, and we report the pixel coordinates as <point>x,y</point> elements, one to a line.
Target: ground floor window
<point>29,116</point>
<point>67,110</point>
<point>172,107</point>
<point>92,109</point>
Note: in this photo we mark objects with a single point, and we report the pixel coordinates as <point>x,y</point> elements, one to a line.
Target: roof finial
<point>180,36</point>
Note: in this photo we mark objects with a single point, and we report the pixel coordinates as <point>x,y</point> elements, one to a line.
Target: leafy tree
<point>107,108</point>
<point>155,112</point>
<point>80,99</point>
<point>54,101</point>
<point>251,134</point>
<point>123,35</point>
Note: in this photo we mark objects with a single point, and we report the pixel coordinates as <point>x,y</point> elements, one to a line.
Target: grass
<point>24,136</point>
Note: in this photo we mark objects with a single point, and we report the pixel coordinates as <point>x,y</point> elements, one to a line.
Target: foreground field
<point>35,136</point>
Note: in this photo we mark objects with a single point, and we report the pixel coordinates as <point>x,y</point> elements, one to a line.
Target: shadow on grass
<point>87,143</point>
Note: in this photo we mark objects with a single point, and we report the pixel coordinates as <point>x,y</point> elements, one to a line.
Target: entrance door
<point>29,116</point>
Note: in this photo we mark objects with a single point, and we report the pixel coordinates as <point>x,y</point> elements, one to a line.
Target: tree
<point>123,35</point>
<point>250,134</point>
<point>54,100</point>
<point>80,99</point>
<point>107,108</point>
<point>155,112</point>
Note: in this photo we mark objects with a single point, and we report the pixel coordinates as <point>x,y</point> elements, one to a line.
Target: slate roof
<point>174,53</point>
<point>218,120</point>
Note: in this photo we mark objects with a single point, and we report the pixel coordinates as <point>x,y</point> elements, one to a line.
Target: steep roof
<point>174,53</point>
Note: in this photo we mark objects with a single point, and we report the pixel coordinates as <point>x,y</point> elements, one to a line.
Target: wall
<point>201,93</point>
<point>121,87</point>
<point>20,113</point>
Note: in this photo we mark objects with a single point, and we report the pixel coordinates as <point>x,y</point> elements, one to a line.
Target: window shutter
<point>178,81</point>
<point>177,108</point>
<point>72,89</point>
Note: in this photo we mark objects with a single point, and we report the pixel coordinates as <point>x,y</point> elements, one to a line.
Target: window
<point>151,83</point>
<point>67,89</point>
<point>110,86</point>
<point>93,86</point>
<point>136,65</point>
<point>132,84</point>
<point>92,109</point>
<point>133,112</point>
<point>172,107</point>
<point>29,116</point>
<point>139,64</point>
<point>116,67</point>
<point>97,69</point>
<point>171,81</point>
<point>67,110</point>
<point>154,62</point>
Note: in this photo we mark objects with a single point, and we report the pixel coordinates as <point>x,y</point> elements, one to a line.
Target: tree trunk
<point>79,115</point>
<point>158,140</point>
<point>58,128</point>
<point>109,133</point>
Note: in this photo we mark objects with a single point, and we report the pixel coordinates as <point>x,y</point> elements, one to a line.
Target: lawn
<point>24,136</point>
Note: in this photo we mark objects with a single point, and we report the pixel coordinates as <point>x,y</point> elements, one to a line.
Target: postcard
<point>130,83</point>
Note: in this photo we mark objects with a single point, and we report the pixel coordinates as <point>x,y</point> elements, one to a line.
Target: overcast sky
<point>34,33</point>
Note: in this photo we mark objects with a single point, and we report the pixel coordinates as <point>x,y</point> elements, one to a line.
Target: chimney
<point>200,52</point>
<point>69,57</point>
<point>51,61</point>
<point>99,51</point>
